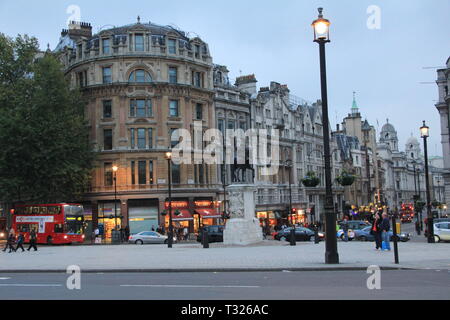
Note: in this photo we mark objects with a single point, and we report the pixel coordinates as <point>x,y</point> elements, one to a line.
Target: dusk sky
<point>273,40</point>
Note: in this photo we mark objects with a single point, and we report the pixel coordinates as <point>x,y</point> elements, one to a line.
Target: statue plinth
<point>243,228</point>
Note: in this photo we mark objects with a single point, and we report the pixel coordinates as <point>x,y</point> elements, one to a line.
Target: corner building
<point>141,82</point>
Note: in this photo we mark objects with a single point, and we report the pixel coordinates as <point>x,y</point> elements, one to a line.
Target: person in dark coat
<point>20,241</point>
<point>376,231</point>
<point>127,233</point>
<point>33,239</point>
<point>9,243</point>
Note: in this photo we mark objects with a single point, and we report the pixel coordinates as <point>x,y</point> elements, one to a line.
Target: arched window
<point>140,76</point>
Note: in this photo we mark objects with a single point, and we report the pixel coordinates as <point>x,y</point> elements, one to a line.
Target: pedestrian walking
<point>9,242</point>
<point>385,228</point>
<point>20,241</point>
<point>186,233</point>
<point>345,228</point>
<point>33,239</point>
<point>376,231</point>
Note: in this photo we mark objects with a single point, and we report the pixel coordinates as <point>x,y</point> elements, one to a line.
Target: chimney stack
<point>247,84</point>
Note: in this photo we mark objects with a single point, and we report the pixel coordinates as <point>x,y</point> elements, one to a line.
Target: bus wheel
<point>49,240</point>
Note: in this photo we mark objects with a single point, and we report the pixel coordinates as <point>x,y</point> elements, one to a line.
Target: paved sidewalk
<point>268,255</point>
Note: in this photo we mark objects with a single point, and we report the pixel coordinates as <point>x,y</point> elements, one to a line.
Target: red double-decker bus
<point>53,223</point>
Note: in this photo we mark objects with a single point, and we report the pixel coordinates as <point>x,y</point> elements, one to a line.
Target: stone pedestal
<point>243,228</point>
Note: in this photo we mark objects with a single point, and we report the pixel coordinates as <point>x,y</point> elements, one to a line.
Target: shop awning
<point>184,215</point>
<point>208,213</point>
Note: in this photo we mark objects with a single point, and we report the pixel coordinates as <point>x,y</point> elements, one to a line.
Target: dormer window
<point>140,76</point>
<point>139,42</point>
<point>172,46</point>
<point>106,46</point>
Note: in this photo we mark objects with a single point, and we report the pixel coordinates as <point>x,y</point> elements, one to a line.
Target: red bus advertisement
<point>53,223</point>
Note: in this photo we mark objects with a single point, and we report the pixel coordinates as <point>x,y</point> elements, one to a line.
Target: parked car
<point>355,224</point>
<point>215,234</point>
<point>442,231</point>
<point>364,235</point>
<point>301,234</point>
<point>438,220</point>
<point>149,237</point>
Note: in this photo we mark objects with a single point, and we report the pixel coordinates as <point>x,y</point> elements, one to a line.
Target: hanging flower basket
<point>311,180</point>
<point>346,179</point>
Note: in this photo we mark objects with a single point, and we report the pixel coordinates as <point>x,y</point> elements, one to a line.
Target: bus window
<point>42,210</point>
<point>35,210</point>
<point>54,210</point>
<point>59,228</point>
<point>23,227</point>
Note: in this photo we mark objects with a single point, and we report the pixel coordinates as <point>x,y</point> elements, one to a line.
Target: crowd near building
<point>142,82</point>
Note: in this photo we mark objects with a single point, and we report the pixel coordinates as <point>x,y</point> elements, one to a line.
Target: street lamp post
<point>416,200</point>
<point>288,164</point>
<point>115,169</point>
<point>170,233</point>
<point>425,132</point>
<point>420,197</point>
<point>321,28</point>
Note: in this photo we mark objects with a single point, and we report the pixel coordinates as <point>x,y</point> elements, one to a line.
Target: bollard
<point>316,235</point>
<point>205,239</point>
<point>395,238</point>
<point>292,237</point>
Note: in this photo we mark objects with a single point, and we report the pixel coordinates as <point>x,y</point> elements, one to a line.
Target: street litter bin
<point>115,236</point>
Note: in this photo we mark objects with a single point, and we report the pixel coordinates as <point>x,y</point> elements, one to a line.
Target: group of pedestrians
<point>11,240</point>
<point>380,230</point>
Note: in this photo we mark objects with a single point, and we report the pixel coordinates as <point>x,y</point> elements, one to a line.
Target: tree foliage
<point>45,151</point>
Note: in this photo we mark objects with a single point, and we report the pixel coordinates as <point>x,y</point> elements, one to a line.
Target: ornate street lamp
<point>168,157</point>
<point>425,133</point>
<point>321,28</point>
<point>115,169</point>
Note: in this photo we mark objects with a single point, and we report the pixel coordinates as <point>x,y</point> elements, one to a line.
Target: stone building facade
<point>142,82</point>
<point>443,107</point>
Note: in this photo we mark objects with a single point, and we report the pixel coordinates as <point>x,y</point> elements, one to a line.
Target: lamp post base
<point>331,258</point>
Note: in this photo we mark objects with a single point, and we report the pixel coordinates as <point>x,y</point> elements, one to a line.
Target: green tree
<point>45,151</point>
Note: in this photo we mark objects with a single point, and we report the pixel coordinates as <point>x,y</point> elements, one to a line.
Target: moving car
<point>301,234</point>
<point>438,220</point>
<point>442,231</point>
<point>149,237</point>
<point>364,235</point>
<point>215,234</point>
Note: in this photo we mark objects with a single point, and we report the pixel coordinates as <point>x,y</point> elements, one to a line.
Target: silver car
<point>149,237</point>
<point>442,231</point>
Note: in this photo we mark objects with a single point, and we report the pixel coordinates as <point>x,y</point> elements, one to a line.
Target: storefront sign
<point>177,204</point>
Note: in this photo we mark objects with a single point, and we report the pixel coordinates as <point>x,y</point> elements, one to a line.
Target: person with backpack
<point>385,227</point>
<point>33,239</point>
<point>20,241</point>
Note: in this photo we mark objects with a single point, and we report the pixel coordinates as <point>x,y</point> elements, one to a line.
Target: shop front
<point>206,213</point>
<point>109,218</point>
<point>268,218</point>
<point>298,217</point>
<point>142,215</point>
<point>181,215</point>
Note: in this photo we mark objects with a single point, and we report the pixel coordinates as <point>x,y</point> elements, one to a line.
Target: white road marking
<point>181,286</point>
<point>30,285</point>
<point>5,278</point>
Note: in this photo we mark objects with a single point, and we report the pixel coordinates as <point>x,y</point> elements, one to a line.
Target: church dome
<point>412,141</point>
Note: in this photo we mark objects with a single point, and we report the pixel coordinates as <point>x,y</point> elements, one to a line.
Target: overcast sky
<point>273,40</point>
